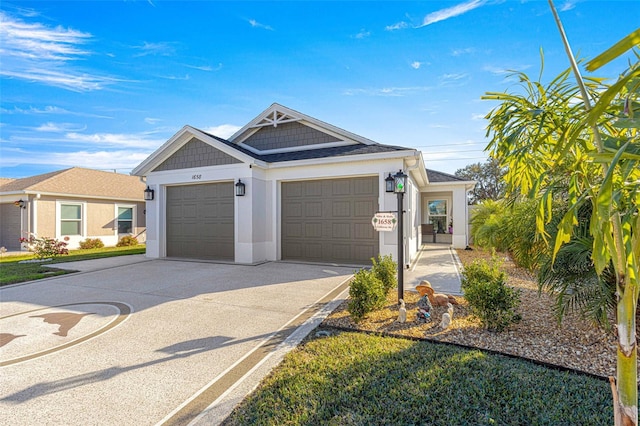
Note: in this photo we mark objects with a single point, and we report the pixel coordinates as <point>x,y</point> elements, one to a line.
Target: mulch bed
<point>575,343</point>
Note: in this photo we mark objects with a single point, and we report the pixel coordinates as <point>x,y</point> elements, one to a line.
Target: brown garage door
<point>330,220</point>
<point>10,226</point>
<point>200,221</point>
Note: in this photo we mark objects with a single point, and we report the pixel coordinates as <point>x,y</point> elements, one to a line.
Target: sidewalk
<point>439,264</point>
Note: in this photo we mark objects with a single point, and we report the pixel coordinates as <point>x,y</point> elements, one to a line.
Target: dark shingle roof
<point>435,177</point>
<point>336,151</point>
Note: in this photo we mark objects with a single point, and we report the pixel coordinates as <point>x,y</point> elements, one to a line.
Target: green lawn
<point>358,379</point>
<point>11,271</point>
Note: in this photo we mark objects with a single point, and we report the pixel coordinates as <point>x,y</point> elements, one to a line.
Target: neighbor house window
<point>437,210</point>
<point>125,220</point>
<point>70,219</point>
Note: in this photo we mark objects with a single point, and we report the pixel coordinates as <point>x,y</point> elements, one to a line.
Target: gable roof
<point>279,114</point>
<point>340,143</point>
<point>437,177</point>
<point>78,181</point>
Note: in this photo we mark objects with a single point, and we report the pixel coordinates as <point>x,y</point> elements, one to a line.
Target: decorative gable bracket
<point>275,118</point>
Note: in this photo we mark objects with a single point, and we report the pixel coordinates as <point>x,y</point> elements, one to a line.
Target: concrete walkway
<point>439,264</point>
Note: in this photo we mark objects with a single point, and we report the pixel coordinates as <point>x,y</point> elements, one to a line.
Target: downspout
<point>405,247</point>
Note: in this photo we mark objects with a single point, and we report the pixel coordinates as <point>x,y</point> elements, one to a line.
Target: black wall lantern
<point>240,187</point>
<point>400,182</point>
<point>148,194</point>
<point>20,203</point>
<point>389,182</point>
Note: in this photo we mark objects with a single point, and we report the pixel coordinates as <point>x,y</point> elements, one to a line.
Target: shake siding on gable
<point>196,153</point>
<point>287,135</point>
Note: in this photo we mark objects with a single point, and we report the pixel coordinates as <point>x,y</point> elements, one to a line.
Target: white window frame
<point>427,216</point>
<point>133,218</point>
<point>83,217</point>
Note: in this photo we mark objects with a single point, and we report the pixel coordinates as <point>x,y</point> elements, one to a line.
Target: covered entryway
<point>330,220</point>
<point>200,221</point>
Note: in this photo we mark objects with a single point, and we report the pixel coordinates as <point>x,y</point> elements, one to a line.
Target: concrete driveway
<point>152,342</point>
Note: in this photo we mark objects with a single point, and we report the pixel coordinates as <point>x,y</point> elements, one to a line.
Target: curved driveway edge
<point>190,323</point>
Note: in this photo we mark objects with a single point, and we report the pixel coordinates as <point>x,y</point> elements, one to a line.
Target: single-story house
<point>77,203</point>
<point>308,192</point>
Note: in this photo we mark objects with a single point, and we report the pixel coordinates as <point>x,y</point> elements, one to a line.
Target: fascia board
<point>343,159</point>
<point>159,155</point>
<point>178,140</point>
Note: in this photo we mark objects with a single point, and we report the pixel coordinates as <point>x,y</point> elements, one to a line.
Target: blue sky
<point>102,84</point>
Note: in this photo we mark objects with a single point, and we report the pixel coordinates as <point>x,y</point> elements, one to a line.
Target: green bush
<point>386,269</point>
<point>490,299</point>
<point>367,294</point>
<point>91,243</point>
<point>127,241</point>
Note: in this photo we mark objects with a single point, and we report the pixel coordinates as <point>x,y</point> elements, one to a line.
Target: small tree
<point>489,177</point>
<point>554,139</point>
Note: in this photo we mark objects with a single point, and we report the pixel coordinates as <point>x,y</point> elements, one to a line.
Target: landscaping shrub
<point>386,269</point>
<point>490,299</point>
<point>127,241</point>
<point>91,243</point>
<point>45,247</point>
<point>367,294</point>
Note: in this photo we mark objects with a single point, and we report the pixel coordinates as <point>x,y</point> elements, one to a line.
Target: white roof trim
<point>177,141</point>
<point>343,159</point>
<point>293,115</point>
<point>295,148</point>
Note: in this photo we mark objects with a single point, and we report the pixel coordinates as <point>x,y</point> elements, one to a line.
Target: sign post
<point>399,189</point>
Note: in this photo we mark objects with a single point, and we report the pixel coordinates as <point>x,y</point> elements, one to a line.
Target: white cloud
<point>51,127</point>
<point>388,91</point>
<point>156,49</point>
<point>222,131</point>
<point>44,55</point>
<point>476,116</point>
<point>451,12</point>
<point>464,51</point>
<point>206,67</point>
<point>416,65</point>
<point>131,140</point>
<point>256,24</point>
<point>150,120</point>
<point>362,34</point>
<point>397,26</point>
<point>502,71</point>
<point>101,160</point>
<point>568,5</point>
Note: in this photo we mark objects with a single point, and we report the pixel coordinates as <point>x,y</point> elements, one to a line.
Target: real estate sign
<point>384,221</point>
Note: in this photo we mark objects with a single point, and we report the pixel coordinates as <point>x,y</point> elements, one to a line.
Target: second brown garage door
<point>200,221</point>
<point>330,220</point>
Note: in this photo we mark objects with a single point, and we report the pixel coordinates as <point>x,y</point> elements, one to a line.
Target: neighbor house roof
<point>78,181</point>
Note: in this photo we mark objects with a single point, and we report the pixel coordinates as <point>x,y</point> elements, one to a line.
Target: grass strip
<point>12,271</point>
<point>354,378</point>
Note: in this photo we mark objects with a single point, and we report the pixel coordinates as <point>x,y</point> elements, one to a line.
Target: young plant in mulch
<point>386,269</point>
<point>366,294</point>
<point>490,299</point>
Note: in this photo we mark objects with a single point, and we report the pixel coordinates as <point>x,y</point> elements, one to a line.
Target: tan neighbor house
<point>77,203</point>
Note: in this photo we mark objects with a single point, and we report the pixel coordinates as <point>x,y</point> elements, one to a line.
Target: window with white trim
<point>70,219</point>
<point>438,215</point>
<point>125,220</point>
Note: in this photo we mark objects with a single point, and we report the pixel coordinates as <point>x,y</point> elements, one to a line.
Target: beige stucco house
<point>308,192</point>
<point>77,203</point>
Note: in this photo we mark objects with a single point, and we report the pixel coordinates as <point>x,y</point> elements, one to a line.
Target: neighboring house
<point>76,203</point>
<point>311,191</point>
